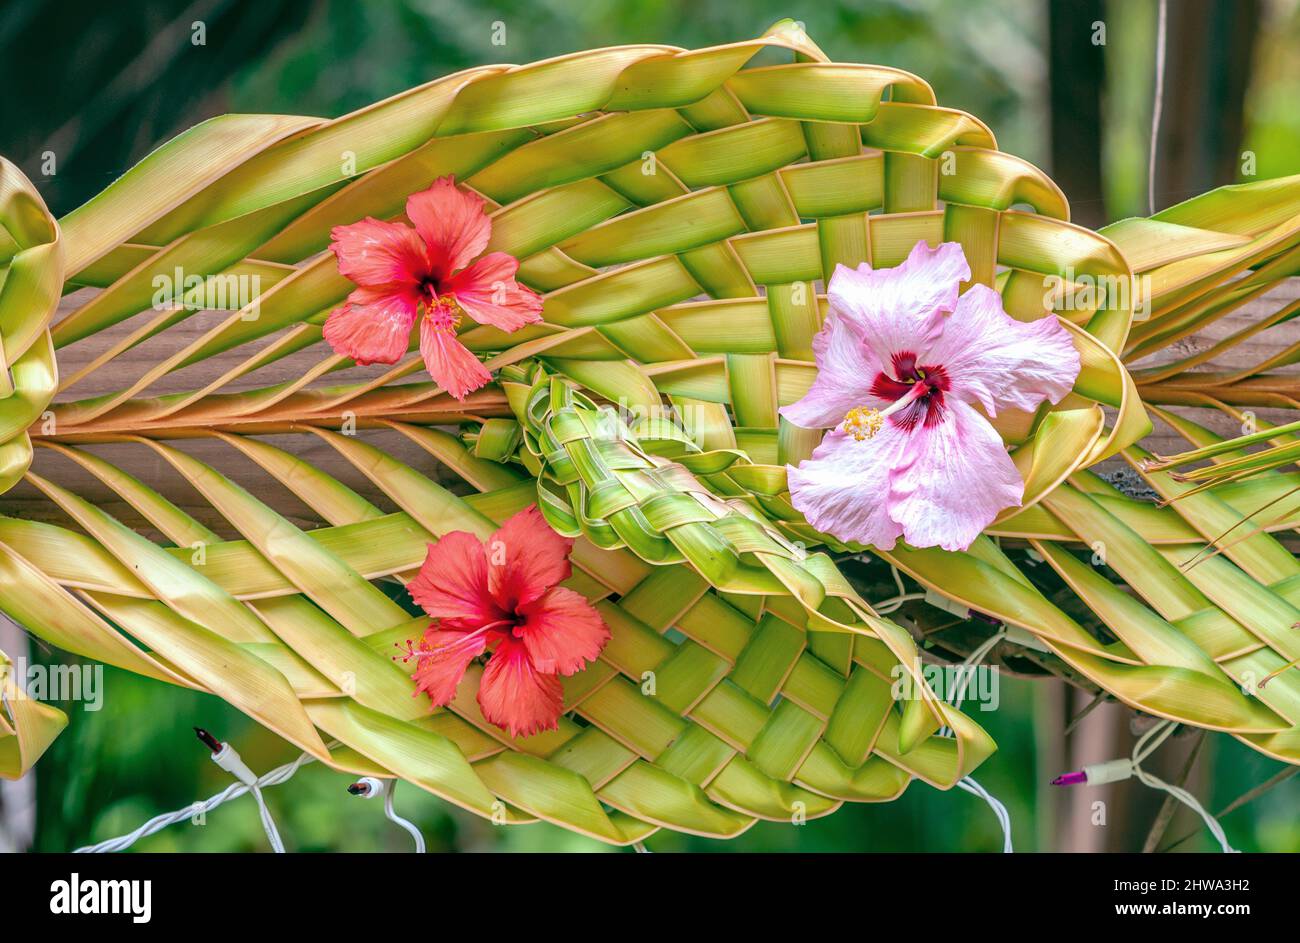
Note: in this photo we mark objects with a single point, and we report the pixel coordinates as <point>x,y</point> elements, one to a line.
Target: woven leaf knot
<point>29,295</point>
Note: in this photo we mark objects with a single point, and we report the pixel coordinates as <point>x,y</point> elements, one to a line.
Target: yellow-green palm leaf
<point>679,211</point>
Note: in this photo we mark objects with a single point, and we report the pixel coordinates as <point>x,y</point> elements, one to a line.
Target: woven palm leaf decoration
<point>680,212</point>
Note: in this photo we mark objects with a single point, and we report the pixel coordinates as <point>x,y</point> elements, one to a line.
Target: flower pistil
<point>443,313</point>
<point>863,422</point>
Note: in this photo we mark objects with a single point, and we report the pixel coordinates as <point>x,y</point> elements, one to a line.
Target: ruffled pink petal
<point>900,309</point>
<point>562,631</point>
<point>438,674</point>
<point>958,478</point>
<point>846,368</point>
<point>374,326</point>
<point>452,585</point>
<point>451,364</point>
<point>373,252</point>
<point>516,696</point>
<point>843,489</point>
<point>1001,363</point>
<point>526,558</point>
<point>452,224</point>
<point>488,292</point>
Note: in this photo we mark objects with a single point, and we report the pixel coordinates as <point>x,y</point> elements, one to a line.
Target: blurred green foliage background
<point>106,95</point>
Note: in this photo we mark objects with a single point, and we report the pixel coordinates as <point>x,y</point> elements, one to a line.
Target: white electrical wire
<point>968,783</point>
<point>893,603</point>
<point>368,787</point>
<point>1115,771</point>
<point>233,791</point>
<point>398,820</point>
<point>1142,749</point>
<point>967,670</point>
<point>268,823</point>
<point>1004,817</point>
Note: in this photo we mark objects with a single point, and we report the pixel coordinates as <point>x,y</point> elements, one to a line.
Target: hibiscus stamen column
<point>863,422</point>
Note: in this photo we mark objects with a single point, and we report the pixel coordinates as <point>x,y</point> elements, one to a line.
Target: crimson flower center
<point>923,385</point>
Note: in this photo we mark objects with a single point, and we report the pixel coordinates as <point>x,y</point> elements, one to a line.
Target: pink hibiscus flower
<point>502,595</point>
<point>901,361</point>
<point>398,270</point>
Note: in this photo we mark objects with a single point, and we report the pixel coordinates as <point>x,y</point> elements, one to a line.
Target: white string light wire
<point>396,819</point>
<point>964,674</point>
<point>1142,749</point>
<point>969,784</point>
<point>233,791</point>
<point>893,603</point>
<point>967,670</point>
<point>268,823</point>
<point>1004,817</point>
<point>1114,771</point>
<point>368,787</point>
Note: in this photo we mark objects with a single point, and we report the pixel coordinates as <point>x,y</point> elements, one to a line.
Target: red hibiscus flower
<point>399,270</point>
<point>502,595</point>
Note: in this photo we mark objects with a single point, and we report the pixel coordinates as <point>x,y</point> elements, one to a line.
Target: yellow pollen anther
<point>445,314</point>
<point>863,422</point>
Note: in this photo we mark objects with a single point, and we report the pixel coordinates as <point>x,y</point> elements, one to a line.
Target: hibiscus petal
<point>488,292</point>
<point>843,489</point>
<point>439,674</point>
<point>562,631</point>
<point>452,224</point>
<point>374,326</point>
<point>846,368</point>
<point>1002,363</point>
<point>373,252</point>
<point>452,584</point>
<point>958,479</point>
<point>900,309</point>
<point>527,557</point>
<point>515,695</point>
<point>451,364</point>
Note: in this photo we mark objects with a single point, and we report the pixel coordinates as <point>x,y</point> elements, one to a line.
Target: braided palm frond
<point>680,212</point>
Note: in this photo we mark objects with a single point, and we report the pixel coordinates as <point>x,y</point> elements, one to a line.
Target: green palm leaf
<point>679,212</point>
